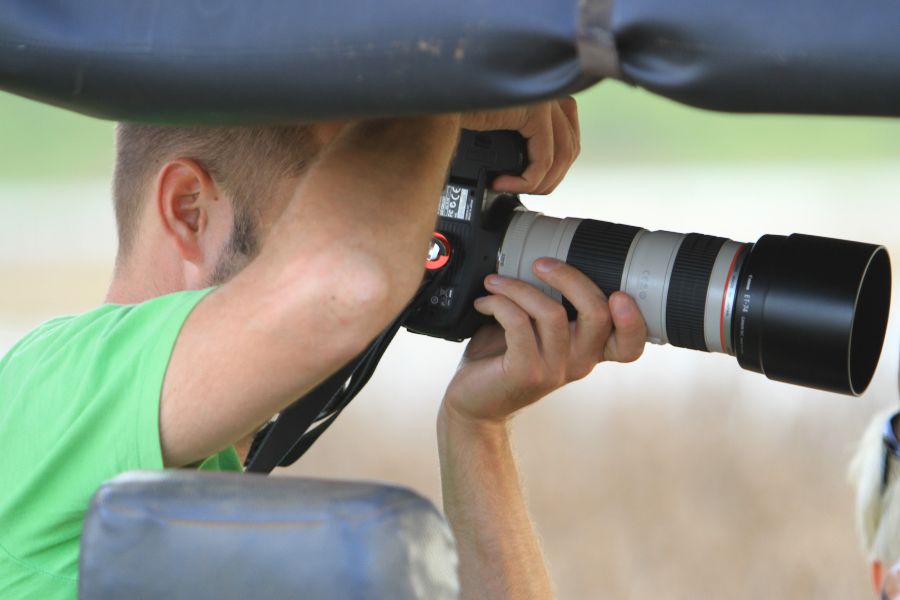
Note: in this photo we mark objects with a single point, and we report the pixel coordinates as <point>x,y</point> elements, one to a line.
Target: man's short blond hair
<point>877,513</point>
<point>245,162</point>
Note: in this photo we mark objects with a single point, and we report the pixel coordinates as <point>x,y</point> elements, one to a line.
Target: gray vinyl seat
<point>183,534</point>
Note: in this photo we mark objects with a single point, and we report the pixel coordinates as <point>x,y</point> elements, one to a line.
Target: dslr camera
<point>801,309</point>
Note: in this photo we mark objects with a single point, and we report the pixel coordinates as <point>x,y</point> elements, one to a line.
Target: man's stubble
<point>242,246</point>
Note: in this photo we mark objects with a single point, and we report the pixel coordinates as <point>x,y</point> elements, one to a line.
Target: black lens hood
<point>813,311</point>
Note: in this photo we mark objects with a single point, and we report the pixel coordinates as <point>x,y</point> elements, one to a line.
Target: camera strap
<point>277,439</point>
<point>284,440</point>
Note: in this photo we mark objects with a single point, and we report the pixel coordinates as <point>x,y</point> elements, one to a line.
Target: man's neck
<point>138,279</point>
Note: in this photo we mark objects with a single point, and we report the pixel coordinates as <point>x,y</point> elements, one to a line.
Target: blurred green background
<point>620,125</point>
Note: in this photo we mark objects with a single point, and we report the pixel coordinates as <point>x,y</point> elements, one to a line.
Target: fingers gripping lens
<point>801,309</point>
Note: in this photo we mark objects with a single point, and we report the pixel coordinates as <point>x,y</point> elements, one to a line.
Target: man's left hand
<point>533,349</point>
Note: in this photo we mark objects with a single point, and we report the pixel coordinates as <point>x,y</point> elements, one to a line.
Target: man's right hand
<point>551,130</point>
<point>554,142</point>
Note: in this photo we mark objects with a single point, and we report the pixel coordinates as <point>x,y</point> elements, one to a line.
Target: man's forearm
<point>343,259</point>
<point>499,553</point>
<point>358,227</point>
<point>374,193</point>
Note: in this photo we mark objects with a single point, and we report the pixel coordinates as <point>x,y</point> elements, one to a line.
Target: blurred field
<point>621,125</point>
<point>679,477</point>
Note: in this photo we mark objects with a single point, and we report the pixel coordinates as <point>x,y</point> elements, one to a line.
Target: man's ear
<point>185,195</point>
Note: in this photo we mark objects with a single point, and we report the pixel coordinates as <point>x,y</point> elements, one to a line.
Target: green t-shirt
<point>79,404</point>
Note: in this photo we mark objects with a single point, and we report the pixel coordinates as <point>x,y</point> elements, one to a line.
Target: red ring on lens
<point>725,296</point>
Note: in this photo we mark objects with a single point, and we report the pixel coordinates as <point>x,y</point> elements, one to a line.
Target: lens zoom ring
<point>688,285</point>
<point>599,250</point>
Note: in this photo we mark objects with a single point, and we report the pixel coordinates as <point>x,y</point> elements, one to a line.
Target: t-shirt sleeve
<point>108,371</point>
<point>118,364</point>
<point>80,406</point>
<point>156,324</point>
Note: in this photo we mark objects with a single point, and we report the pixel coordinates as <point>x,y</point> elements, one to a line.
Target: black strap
<point>279,437</point>
<point>307,440</point>
<point>257,441</point>
<point>359,378</point>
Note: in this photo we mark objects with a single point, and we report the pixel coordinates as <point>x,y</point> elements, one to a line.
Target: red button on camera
<point>438,252</point>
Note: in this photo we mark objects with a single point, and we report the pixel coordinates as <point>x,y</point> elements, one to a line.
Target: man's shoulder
<point>79,404</point>
<point>107,323</point>
<point>36,336</point>
<point>53,331</point>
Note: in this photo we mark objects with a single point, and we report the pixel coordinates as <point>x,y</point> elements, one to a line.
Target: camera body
<point>803,309</point>
<point>472,221</point>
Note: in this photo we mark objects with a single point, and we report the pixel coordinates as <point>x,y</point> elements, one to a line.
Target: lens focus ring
<point>686,301</point>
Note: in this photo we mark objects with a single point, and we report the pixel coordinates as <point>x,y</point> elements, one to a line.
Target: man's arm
<point>499,552</point>
<point>532,351</point>
<point>342,261</point>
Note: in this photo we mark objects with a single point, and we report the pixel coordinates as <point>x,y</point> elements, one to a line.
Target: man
<point>252,264</point>
<point>875,474</point>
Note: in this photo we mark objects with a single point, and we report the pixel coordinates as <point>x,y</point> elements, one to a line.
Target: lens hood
<point>813,311</point>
